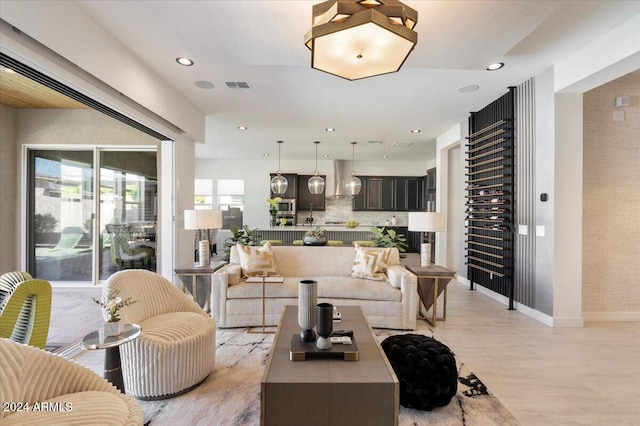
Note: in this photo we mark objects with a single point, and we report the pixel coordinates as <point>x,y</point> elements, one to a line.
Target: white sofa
<point>236,303</point>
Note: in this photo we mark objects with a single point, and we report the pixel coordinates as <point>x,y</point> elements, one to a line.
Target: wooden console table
<point>432,281</point>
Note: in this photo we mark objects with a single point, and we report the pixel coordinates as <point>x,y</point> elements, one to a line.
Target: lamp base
<point>425,255</point>
<point>203,253</point>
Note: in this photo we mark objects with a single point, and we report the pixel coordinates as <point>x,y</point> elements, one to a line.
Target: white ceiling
<point>261,42</point>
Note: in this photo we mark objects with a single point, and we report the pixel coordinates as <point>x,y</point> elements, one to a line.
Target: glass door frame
<point>96,150</point>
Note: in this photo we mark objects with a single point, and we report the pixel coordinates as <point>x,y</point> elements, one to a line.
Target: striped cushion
<point>257,261</point>
<point>371,263</point>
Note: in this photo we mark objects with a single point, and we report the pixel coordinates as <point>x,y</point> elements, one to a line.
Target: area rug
<point>231,395</point>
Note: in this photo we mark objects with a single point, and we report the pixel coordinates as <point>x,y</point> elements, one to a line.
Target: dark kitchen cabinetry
<point>396,193</point>
<point>306,199</point>
<point>291,191</point>
<point>380,193</point>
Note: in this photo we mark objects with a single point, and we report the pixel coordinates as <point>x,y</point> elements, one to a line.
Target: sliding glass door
<point>90,213</point>
<point>60,219</point>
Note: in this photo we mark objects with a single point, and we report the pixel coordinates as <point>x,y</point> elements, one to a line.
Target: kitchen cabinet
<point>401,194</point>
<point>305,199</point>
<point>360,200</point>
<point>381,194</point>
<point>291,191</point>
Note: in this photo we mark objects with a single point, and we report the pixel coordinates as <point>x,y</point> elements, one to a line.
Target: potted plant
<point>389,238</point>
<point>273,202</point>
<point>244,235</point>
<point>111,303</point>
<point>315,237</point>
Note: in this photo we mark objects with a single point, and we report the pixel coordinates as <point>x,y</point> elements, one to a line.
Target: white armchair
<point>30,375</point>
<point>176,350</point>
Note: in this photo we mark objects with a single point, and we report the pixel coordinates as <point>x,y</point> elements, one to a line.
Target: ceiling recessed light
<point>204,84</point>
<point>184,61</point>
<point>385,156</point>
<point>242,127</point>
<point>416,131</point>
<point>266,155</point>
<point>495,66</point>
<point>330,129</point>
<point>468,88</point>
<point>325,155</point>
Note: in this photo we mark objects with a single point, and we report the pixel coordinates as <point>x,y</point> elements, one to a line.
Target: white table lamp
<point>426,222</point>
<point>203,219</point>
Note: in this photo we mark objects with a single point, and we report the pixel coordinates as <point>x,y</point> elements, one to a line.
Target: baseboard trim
<point>526,310</point>
<point>612,316</point>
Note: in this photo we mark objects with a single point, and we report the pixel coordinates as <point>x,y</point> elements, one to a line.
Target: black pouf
<point>426,370</point>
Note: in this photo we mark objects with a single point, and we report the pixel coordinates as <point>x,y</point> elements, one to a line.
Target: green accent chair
<point>364,243</point>
<point>121,250</point>
<point>335,243</point>
<point>298,242</point>
<point>273,242</point>
<point>25,308</point>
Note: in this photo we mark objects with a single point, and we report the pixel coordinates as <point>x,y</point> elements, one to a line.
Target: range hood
<point>342,170</point>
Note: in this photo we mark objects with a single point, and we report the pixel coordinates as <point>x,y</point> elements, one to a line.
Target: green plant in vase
<point>315,237</point>
<point>244,235</point>
<point>273,202</point>
<point>389,238</point>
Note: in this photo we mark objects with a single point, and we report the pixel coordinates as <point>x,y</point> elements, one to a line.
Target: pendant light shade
<point>352,184</point>
<point>279,183</point>
<point>316,183</point>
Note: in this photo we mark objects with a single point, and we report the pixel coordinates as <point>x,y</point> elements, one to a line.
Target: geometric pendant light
<point>316,183</point>
<point>279,183</point>
<point>356,39</point>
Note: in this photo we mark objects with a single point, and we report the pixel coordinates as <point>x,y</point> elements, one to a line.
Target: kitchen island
<point>288,234</point>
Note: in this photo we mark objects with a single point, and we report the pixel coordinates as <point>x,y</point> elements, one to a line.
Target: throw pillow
<point>371,263</point>
<point>256,261</point>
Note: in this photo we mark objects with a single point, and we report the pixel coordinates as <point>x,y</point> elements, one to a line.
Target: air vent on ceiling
<point>401,144</point>
<point>375,143</point>
<point>237,85</point>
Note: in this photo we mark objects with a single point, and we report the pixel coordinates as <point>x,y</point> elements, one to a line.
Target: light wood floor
<point>545,376</point>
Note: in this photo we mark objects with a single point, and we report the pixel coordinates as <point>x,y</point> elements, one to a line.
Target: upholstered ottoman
<point>426,370</point>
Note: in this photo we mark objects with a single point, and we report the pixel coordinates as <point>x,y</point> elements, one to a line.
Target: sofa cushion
<point>371,263</point>
<point>257,261</point>
<point>328,288</point>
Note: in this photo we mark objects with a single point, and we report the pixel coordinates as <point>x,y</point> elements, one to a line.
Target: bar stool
<point>334,243</point>
<point>273,242</point>
<point>364,243</point>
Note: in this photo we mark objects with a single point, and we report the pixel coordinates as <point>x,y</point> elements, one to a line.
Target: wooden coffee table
<point>329,391</point>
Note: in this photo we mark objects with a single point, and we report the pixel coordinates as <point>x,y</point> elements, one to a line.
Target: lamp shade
<point>427,222</point>
<point>203,219</point>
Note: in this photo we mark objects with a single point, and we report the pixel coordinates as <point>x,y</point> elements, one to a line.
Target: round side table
<point>112,366</point>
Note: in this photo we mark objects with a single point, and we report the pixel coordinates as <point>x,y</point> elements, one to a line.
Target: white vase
<point>307,301</point>
<point>113,328</point>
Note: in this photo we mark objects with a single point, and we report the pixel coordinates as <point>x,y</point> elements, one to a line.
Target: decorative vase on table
<point>307,301</point>
<point>325,325</point>
<point>113,328</point>
<point>273,217</point>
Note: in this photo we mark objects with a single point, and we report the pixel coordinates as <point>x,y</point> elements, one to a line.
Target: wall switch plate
<point>540,231</point>
<point>523,229</point>
<point>618,115</point>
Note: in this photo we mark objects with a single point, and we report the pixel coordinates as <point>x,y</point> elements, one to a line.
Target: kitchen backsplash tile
<point>340,210</point>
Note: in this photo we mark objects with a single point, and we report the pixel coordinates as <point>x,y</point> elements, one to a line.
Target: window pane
<point>60,212</point>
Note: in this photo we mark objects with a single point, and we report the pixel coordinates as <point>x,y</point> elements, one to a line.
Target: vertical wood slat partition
<point>491,196</point>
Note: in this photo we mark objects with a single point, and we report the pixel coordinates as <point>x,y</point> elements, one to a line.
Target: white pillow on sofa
<point>256,261</point>
<point>371,263</point>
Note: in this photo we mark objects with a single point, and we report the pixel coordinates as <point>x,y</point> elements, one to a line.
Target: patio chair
<point>121,250</point>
